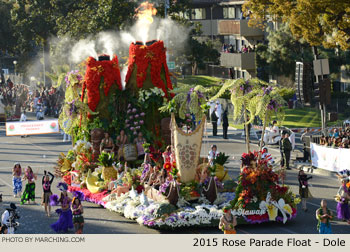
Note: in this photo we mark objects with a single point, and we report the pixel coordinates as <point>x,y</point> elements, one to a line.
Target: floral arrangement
<point>133,178</point>
<point>142,57</point>
<point>258,188</point>
<point>187,215</point>
<point>73,78</point>
<point>95,71</point>
<point>155,94</point>
<point>135,120</point>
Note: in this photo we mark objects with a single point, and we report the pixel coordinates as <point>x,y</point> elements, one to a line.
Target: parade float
<point>180,189</point>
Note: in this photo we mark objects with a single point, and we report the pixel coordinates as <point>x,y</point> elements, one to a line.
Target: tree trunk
<point>194,68</point>
<point>246,127</point>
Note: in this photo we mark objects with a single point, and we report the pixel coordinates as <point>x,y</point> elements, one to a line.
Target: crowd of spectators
<point>229,48</point>
<point>17,98</point>
<point>338,138</point>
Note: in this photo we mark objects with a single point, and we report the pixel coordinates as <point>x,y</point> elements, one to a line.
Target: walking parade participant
<point>214,122</point>
<point>286,148</point>
<point>65,220</point>
<point>17,180</point>
<point>46,183</point>
<point>228,222</point>
<point>303,188</point>
<point>343,212</point>
<point>281,150</point>
<point>324,216</point>
<point>78,219</point>
<point>29,191</point>
<point>225,124</point>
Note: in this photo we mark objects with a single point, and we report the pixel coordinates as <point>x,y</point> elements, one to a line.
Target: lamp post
<point>15,63</point>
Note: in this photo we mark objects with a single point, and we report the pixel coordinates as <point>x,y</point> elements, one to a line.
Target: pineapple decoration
<point>106,161</point>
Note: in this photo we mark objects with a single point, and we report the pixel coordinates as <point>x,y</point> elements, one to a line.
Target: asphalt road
<point>41,152</point>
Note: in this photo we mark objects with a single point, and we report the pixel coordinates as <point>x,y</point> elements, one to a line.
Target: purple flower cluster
<point>74,72</point>
<point>267,90</point>
<point>199,94</point>
<point>134,120</point>
<point>72,108</point>
<point>163,187</point>
<point>246,88</point>
<point>146,168</point>
<point>273,105</point>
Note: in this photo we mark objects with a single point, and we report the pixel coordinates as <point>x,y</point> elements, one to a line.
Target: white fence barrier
<point>328,158</point>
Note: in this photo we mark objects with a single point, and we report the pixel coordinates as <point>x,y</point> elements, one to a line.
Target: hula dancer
<point>323,216</point>
<point>78,219</point>
<point>17,180</point>
<point>65,221</point>
<point>29,191</point>
<point>304,188</point>
<point>228,222</point>
<point>47,182</point>
<point>343,212</point>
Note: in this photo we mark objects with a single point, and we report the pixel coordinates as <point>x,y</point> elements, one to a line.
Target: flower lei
<point>142,56</point>
<point>95,70</point>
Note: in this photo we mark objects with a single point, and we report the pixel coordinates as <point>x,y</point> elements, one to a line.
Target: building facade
<point>224,20</point>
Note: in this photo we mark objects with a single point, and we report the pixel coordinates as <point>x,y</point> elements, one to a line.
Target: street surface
<point>41,152</point>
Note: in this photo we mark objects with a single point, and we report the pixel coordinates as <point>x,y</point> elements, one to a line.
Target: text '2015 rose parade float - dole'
<point>137,146</point>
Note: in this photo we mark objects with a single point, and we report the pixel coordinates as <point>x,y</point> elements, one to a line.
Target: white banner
<point>328,158</point>
<point>32,127</point>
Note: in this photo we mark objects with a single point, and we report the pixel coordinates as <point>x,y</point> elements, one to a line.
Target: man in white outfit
<point>212,107</point>
<point>23,119</point>
<point>273,132</point>
<point>218,112</point>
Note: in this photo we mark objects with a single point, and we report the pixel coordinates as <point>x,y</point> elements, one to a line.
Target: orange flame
<point>145,12</point>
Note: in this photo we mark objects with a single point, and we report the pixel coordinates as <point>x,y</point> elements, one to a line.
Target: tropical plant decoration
<point>106,159</point>
<point>58,75</point>
<point>221,159</point>
<point>187,101</point>
<point>74,110</point>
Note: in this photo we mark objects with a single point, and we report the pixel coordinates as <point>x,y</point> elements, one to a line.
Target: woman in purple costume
<point>65,221</point>
<point>343,212</point>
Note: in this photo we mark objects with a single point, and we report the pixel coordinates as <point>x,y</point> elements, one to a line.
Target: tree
<point>283,51</point>
<point>79,18</point>
<point>199,52</point>
<point>321,22</point>
<point>34,24</point>
<point>8,40</point>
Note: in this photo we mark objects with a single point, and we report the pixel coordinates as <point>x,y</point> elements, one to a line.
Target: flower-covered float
<point>136,149</point>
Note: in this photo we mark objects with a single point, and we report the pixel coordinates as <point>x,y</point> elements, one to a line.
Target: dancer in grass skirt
<point>78,219</point>
<point>65,213</point>
<point>46,183</point>
<point>29,191</point>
